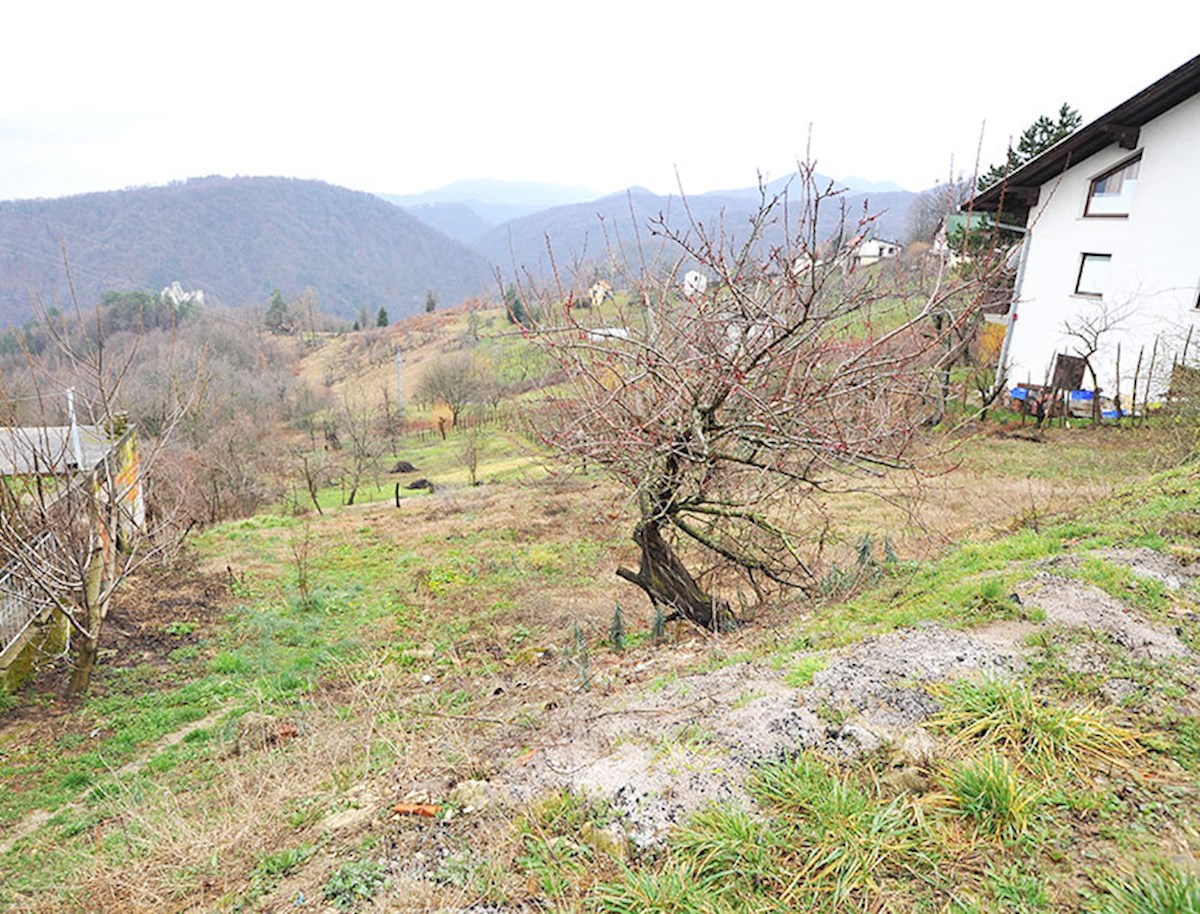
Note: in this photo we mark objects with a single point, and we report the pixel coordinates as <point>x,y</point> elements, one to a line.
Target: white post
<point>76,448</point>
<point>399,380</point>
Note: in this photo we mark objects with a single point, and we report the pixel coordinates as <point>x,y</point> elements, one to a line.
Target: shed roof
<point>47,449</point>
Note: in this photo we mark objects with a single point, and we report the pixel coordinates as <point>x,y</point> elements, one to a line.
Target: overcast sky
<point>404,97</point>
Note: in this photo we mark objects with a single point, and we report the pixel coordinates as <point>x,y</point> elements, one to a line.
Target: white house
<point>1111,243</point>
<point>874,250</point>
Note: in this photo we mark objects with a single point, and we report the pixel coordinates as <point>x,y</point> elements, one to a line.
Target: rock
<point>476,796</point>
<point>916,747</point>
<point>346,819</point>
<point>428,791</point>
<point>611,839</point>
<point>258,731</point>
<point>903,780</point>
<point>865,738</point>
<point>1118,690</point>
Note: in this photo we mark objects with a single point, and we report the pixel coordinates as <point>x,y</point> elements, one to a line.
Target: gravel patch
<point>1078,605</point>
<point>883,678</point>
<point>658,755</point>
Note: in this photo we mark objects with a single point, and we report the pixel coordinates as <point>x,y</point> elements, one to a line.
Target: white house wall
<point>1154,275</point>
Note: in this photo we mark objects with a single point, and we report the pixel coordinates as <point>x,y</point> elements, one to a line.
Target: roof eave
<point>1121,125</point>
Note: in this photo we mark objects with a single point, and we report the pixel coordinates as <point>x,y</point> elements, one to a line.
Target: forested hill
<point>237,239</point>
<point>619,226</point>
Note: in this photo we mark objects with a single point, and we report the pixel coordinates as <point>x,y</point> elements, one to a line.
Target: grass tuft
<point>1005,715</point>
<point>1158,893</point>
<point>991,792</point>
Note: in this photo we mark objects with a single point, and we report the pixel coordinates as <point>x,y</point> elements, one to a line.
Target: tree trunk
<point>85,662</point>
<point>668,583</point>
<point>89,647</point>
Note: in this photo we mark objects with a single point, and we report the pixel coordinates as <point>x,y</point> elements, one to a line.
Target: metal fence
<point>21,601</point>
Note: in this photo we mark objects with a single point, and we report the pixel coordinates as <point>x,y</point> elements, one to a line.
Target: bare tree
<point>726,413</point>
<point>72,520</point>
<point>454,382</point>
<point>356,425</point>
<point>1090,330</point>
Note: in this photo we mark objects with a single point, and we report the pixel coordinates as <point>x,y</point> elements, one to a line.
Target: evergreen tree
<point>381,320</point>
<point>514,308</point>
<point>1037,138</point>
<point>277,313</point>
<point>430,301</point>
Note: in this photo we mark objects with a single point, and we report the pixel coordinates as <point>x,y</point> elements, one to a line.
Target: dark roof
<point>1120,125</point>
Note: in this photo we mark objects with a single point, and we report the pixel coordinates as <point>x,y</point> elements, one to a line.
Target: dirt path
<point>36,818</point>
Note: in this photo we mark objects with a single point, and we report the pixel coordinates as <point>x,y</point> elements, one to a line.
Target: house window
<point>1111,194</point>
<point>1093,274</point>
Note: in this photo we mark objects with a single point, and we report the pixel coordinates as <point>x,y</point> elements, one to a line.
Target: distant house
<point>873,250</point>
<point>599,292</point>
<point>949,242</point>
<point>1111,235</point>
<point>694,284</point>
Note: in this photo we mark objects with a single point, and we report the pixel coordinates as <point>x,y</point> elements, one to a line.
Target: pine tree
<point>381,320</point>
<point>1037,138</point>
<point>277,313</point>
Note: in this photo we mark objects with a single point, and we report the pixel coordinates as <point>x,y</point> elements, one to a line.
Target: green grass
<point>502,456</point>
<point>1041,736</point>
<point>993,793</point>
<point>1165,892</point>
<point>800,674</point>
<point>355,883</point>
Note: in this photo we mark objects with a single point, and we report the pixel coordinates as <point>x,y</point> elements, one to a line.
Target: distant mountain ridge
<point>237,239</point>
<point>599,229</point>
<point>465,210</point>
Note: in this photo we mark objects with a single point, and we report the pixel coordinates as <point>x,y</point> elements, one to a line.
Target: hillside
<point>236,239</point>
<point>583,232</point>
<point>448,727</point>
<point>423,706</point>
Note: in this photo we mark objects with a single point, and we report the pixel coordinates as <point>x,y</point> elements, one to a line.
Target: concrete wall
<point>46,637</point>
<point>1154,274</point>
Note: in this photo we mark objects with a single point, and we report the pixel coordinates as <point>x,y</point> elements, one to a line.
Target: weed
<point>992,599</point>
<point>801,674</point>
<point>1185,747</point>
<point>269,872</point>
<point>688,739</point>
<point>616,629</point>
<point>1004,714</point>
<point>725,840</point>
<point>673,889</point>
<point>846,840</point>
<point>992,793</point>
<point>354,883</point>
<point>577,656</point>
<point>556,853</point>
<point>302,812</point>
<point>1018,890</point>
<point>1169,892</point>
<point>658,629</point>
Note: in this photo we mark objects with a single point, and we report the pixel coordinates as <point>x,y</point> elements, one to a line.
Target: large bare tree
<point>72,521</point>
<point>727,406</point>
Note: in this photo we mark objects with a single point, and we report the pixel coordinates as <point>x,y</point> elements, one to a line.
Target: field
<point>431,706</point>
